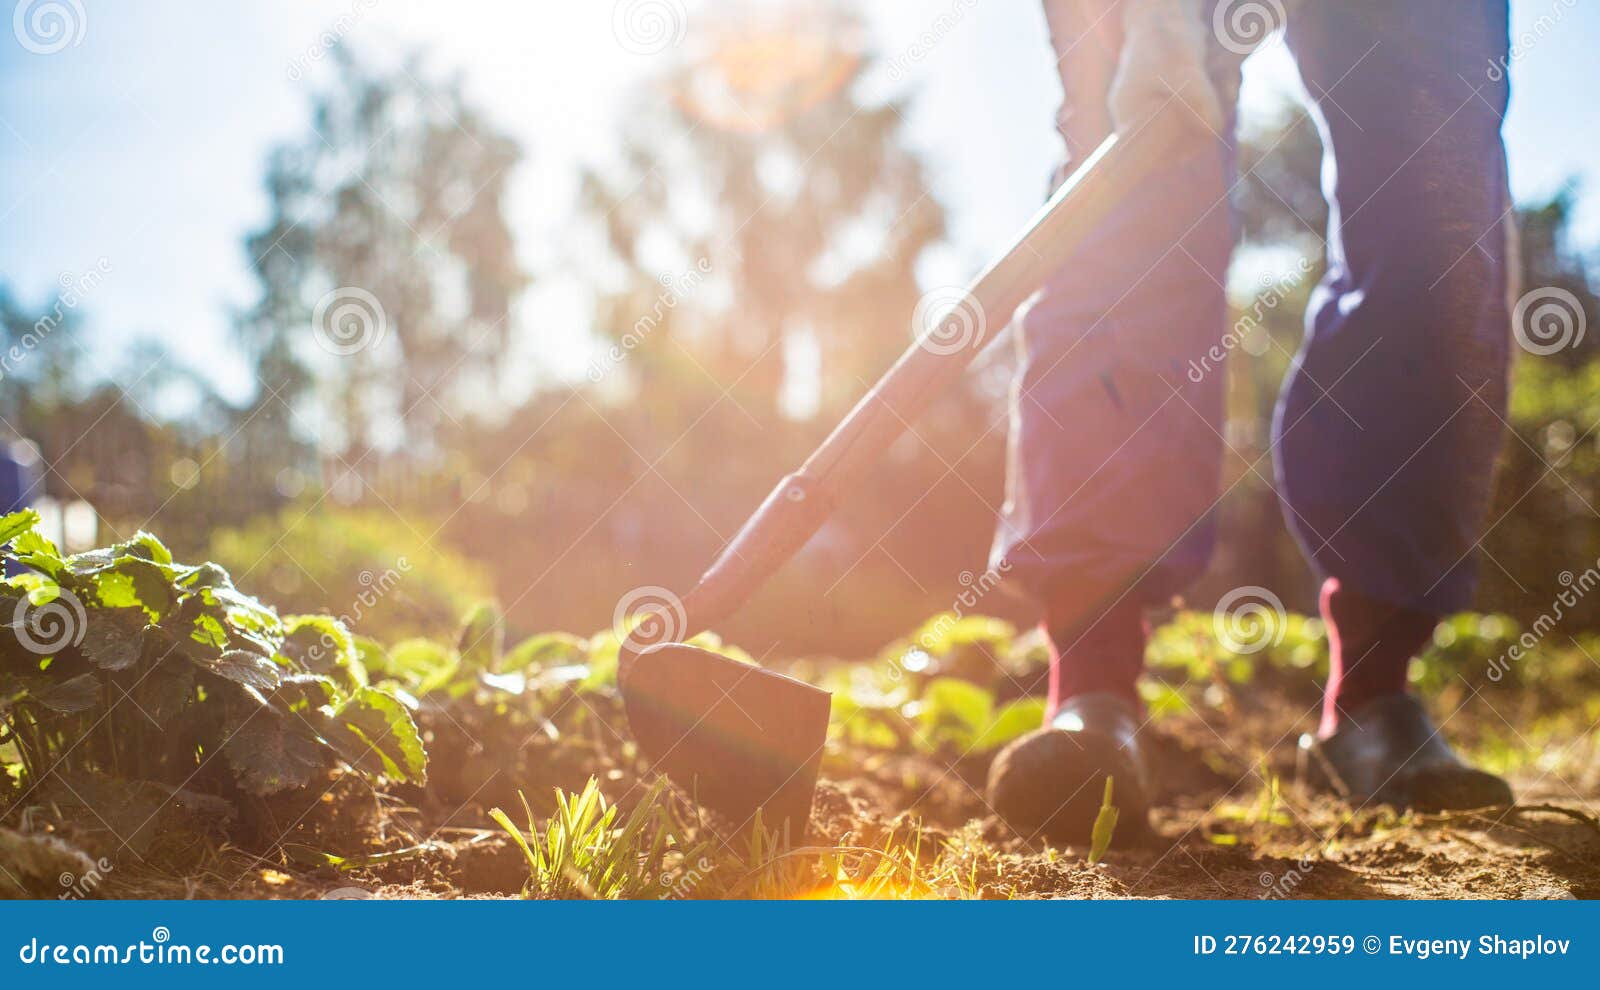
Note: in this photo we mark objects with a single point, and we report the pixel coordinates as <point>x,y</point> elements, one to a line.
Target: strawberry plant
<point>939,691</point>
<point>125,661</point>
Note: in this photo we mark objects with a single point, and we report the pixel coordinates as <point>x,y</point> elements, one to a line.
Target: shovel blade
<point>734,736</point>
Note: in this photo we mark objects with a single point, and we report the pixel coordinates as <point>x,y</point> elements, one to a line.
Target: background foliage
<point>743,304</point>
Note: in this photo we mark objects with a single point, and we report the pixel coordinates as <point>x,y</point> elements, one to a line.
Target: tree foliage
<point>397,192</point>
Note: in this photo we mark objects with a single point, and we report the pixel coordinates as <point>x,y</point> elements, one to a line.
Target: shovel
<point>739,738</point>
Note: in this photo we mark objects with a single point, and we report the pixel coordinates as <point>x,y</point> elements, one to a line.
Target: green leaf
<point>374,733</point>
<point>142,549</point>
<point>321,644</point>
<point>114,638</point>
<point>306,692</point>
<point>955,710</point>
<point>712,642</point>
<point>948,632</point>
<point>535,863</point>
<point>482,638</point>
<point>77,694</point>
<point>1105,825</point>
<point>131,587</point>
<point>242,622</point>
<point>270,752</point>
<point>209,632</point>
<point>1012,721</point>
<point>862,725</point>
<point>546,649</point>
<point>251,625</point>
<point>14,524</point>
<point>604,656</point>
<point>207,575</point>
<point>371,655</point>
<point>145,545</point>
<point>423,666</point>
<point>419,656</point>
<point>166,691</point>
<point>34,550</point>
<point>1163,700</point>
<point>244,667</point>
<point>41,589</point>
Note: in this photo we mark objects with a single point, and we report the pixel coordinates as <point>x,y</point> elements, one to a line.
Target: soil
<point>1231,822</point>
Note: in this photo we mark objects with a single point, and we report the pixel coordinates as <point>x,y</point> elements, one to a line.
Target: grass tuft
<point>587,850</point>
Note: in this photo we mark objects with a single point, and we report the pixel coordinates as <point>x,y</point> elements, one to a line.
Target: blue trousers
<point>1388,426</point>
<point>18,487</point>
<point>17,483</point>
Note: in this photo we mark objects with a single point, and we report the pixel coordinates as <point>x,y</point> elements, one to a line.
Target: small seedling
<point>1105,824</point>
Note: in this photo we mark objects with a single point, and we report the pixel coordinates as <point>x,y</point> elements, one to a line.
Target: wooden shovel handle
<point>802,501</point>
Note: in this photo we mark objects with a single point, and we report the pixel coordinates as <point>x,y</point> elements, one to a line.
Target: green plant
<point>123,660</point>
<point>1191,667</point>
<point>584,851</point>
<point>1105,826</point>
<point>1474,648</point>
<point>773,869</point>
<point>961,716</point>
<point>942,715</point>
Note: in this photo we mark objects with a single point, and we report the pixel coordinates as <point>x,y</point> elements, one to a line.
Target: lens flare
<point>757,71</point>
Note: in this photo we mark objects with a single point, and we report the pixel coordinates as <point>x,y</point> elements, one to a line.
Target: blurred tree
<point>1279,195</point>
<point>387,269</point>
<point>1546,519</point>
<point>787,213</point>
<point>104,433</point>
<point>1550,261</point>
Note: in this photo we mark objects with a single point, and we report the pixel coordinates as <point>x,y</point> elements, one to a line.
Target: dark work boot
<point>1388,752</point>
<point>1049,783</point>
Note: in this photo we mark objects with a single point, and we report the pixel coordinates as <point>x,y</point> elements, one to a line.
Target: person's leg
<point>1115,443</point>
<point>19,485</point>
<point>1114,467</point>
<point>1388,428</point>
<point>1370,646</point>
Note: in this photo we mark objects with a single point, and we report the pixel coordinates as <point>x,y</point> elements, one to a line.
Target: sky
<point>137,149</point>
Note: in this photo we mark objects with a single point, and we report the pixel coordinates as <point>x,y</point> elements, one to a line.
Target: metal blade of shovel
<point>734,736</point>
